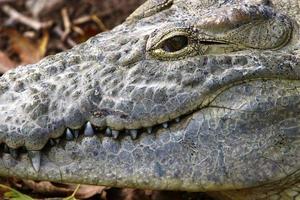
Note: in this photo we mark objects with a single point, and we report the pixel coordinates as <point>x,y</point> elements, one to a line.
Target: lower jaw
<point>161,161</point>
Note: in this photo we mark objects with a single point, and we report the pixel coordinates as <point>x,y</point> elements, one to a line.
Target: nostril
<point>267,2</point>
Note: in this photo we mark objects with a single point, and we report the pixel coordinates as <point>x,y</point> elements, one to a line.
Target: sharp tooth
<point>57,140</point>
<point>115,134</point>
<point>13,153</point>
<point>35,157</point>
<point>165,125</point>
<point>149,130</point>
<point>108,132</point>
<point>69,135</point>
<point>133,134</point>
<point>6,148</point>
<point>177,120</point>
<point>76,133</point>
<point>51,142</point>
<point>88,131</point>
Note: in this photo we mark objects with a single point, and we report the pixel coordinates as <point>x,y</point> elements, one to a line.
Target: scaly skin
<point>185,95</point>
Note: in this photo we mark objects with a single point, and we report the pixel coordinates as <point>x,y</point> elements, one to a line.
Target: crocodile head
<point>184,95</point>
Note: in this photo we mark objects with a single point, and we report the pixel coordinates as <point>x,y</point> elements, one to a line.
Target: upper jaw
<point>43,110</point>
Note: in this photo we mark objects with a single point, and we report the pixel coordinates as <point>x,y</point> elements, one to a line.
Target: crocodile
<point>185,95</point>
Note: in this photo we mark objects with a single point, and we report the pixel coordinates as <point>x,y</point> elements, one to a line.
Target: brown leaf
<point>63,190</point>
<point>43,44</point>
<point>28,51</point>
<point>88,191</point>
<point>5,63</point>
<point>44,187</point>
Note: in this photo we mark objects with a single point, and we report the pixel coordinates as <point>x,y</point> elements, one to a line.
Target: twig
<point>67,22</point>
<point>60,33</point>
<point>14,14</point>
<point>72,197</point>
<point>94,18</point>
<point>99,22</point>
<point>78,30</point>
<point>82,20</point>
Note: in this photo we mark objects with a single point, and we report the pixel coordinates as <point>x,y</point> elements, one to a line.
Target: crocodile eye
<point>172,44</point>
<point>175,43</point>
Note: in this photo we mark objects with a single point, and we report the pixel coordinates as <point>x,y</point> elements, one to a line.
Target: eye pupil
<point>175,43</point>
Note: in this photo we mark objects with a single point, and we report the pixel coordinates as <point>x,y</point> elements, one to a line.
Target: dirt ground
<point>33,29</point>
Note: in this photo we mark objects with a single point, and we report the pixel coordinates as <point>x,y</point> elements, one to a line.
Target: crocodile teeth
<point>165,125</point>
<point>69,135</point>
<point>88,130</point>
<point>149,130</point>
<point>51,142</point>
<point>108,132</point>
<point>133,134</point>
<point>57,140</point>
<point>177,120</point>
<point>35,157</point>
<point>13,153</point>
<point>76,133</point>
<point>115,134</point>
<point>6,148</point>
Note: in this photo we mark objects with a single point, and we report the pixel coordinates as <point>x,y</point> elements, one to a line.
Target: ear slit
<point>211,42</point>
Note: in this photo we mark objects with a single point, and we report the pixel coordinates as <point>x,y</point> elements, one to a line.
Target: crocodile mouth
<point>90,130</point>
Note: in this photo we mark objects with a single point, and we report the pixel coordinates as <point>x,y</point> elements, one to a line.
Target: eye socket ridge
<point>179,42</point>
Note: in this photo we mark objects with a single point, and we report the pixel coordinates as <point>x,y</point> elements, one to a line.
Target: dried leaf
<point>28,51</point>
<point>46,188</point>
<point>43,44</point>
<point>5,63</point>
<point>88,191</point>
<point>72,197</point>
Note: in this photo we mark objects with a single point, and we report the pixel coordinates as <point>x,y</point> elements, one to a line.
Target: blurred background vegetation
<point>32,29</point>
